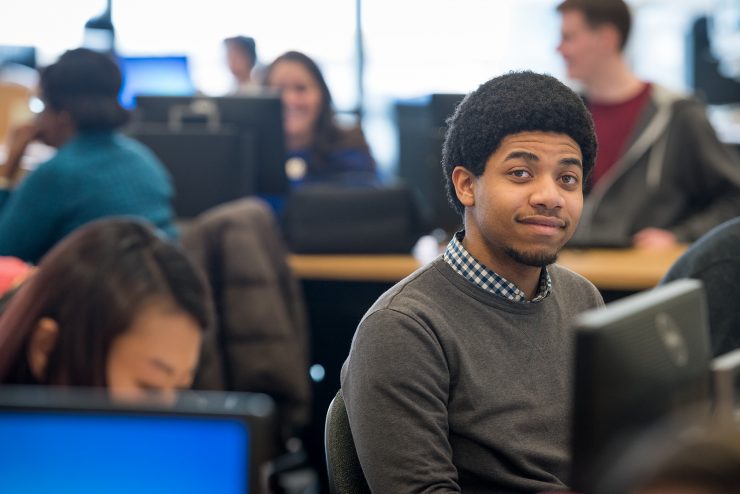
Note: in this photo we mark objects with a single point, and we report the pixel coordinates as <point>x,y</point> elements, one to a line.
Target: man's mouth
<point>545,221</point>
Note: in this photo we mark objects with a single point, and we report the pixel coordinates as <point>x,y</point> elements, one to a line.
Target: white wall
<point>413,47</point>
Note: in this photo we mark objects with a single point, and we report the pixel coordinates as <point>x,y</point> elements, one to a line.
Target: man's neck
<point>614,83</point>
<point>526,278</point>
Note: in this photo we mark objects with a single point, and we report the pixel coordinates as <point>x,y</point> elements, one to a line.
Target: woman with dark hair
<point>113,305</point>
<point>96,171</point>
<point>319,149</point>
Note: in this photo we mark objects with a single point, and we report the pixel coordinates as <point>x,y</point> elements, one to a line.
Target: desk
<point>608,269</point>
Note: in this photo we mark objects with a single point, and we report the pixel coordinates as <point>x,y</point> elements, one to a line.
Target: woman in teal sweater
<point>96,172</point>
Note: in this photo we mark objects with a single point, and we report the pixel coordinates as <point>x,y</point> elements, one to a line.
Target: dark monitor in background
<point>421,129</point>
<point>78,441</point>
<point>217,149</point>
<point>21,55</point>
<point>154,76</point>
<point>704,75</point>
<point>641,360</point>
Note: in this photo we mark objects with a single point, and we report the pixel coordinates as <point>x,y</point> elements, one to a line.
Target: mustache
<point>553,220</point>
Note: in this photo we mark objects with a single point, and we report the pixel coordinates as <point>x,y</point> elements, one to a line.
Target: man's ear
<point>609,35</point>
<point>43,341</point>
<point>464,182</point>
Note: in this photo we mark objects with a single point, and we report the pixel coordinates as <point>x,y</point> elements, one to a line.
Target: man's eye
<point>521,173</point>
<point>570,179</point>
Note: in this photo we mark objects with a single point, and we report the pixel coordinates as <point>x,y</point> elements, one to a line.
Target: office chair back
<point>324,218</point>
<point>343,466</point>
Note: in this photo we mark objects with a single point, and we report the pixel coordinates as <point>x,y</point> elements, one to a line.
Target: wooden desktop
<point>627,270</point>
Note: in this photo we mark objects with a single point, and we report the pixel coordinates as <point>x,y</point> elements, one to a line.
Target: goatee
<point>536,259</point>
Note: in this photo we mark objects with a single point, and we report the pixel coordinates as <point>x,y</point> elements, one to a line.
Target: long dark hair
<point>93,284</point>
<point>328,136</point>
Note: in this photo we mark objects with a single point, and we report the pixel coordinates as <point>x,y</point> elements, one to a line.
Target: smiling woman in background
<point>319,150</point>
<point>113,305</point>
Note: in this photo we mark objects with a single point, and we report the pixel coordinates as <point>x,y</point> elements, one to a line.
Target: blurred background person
<point>241,57</point>
<point>96,171</point>
<point>715,260</point>
<point>661,175</point>
<point>113,305</point>
<point>319,150</point>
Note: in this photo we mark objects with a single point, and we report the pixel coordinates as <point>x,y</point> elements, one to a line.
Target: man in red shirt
<point>661,175</point>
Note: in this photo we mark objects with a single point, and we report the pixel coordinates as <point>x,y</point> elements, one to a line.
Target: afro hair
<point>509,104</point>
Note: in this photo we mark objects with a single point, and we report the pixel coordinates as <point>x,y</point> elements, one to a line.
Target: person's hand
<point>19,139</point>
<point>654,238</point>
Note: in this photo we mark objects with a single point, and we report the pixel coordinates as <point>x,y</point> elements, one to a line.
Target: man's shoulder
<point>571,283</point>
<point>409,309</point>
<point>561,273</point>
<point>419,286</point>
<point>679,103</point>
<point>431,293</point>
<point>664,95</point>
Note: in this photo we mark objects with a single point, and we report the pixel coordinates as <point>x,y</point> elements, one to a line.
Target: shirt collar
<point>463,263</point>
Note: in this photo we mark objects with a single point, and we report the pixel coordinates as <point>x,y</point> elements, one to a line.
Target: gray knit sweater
<point>452,389</point>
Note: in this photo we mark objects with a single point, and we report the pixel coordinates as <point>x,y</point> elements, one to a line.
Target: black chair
<point>330,218</point>
<point>343,466</point>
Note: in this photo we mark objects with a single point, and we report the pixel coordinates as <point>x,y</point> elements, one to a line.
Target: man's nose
<point>547,194</point>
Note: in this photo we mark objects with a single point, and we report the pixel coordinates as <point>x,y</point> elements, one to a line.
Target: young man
<point>241,57</point>
<point>661,174</point>
<point>458,379</point>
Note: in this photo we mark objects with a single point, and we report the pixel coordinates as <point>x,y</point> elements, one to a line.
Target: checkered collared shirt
<point>469,268</point>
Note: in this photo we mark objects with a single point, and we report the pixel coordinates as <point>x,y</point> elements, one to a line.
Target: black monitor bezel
<point>592,330</point>
<point>256,410</point>
<point>259,114</point>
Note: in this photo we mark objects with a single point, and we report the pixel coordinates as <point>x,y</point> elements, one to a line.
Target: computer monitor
<point>704,73</point>
<point>154,76</point>
<point>78,441</point>
<point>217,149</point>
<point>641,360</point>
<point>421,131</point>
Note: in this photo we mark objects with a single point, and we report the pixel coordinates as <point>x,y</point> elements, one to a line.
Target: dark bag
<point>330,218</point>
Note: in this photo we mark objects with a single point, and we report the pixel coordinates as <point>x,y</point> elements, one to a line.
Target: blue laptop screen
<point>154,76</point>
<point>94,453</point>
